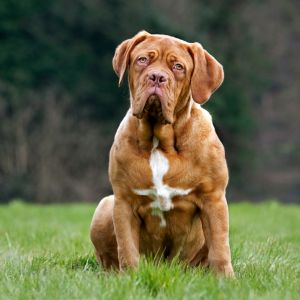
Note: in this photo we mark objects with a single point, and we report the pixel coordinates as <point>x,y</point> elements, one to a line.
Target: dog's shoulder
<point>124,127</point>
<point>202,123</point>
<point>205,134</point>
<point>198,112</point>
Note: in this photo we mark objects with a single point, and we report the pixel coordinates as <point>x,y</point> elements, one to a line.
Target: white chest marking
<point>160,193</point>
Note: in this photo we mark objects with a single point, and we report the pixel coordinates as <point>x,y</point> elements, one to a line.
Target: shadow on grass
<point>83,263</point>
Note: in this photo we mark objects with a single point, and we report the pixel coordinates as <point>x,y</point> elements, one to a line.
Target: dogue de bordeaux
<point>167,166</point>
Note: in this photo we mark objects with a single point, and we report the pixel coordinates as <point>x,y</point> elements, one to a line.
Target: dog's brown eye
<point>178,67</point>
<point>142,60</point>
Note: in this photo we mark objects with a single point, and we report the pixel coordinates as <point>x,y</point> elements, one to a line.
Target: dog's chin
<point>153,111</point>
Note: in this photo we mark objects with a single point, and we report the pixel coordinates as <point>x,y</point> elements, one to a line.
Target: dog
<point>167,166</point>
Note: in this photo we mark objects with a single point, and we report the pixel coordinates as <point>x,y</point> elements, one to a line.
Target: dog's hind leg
<point>103,235</point>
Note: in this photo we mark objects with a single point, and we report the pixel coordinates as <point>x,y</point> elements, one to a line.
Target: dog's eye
<point>178,67</point>
<point>142,60</point>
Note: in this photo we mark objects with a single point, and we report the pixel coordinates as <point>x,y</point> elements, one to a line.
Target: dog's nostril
<point>162,79</point>
<point>152,77</point>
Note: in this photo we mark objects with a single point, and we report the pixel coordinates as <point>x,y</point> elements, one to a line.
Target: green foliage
<point>71,44</point>
<point>46,254</point>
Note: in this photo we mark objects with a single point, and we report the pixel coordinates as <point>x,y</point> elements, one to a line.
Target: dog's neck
<point>166,134</point>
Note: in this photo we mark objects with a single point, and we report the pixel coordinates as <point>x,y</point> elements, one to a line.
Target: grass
<point>45,253</point>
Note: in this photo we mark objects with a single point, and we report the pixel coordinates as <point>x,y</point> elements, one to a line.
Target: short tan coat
<point>196,228</point>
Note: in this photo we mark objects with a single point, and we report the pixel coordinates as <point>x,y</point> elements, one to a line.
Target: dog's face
<point>163,73</point>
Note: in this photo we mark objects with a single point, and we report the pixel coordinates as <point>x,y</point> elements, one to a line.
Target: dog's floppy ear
<point>207,75</point>
<point>121,58</point>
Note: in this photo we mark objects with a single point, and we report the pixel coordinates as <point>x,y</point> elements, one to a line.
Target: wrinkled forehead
<point>164,45</point>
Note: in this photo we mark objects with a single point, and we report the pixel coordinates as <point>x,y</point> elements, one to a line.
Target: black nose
<point>158,77</point>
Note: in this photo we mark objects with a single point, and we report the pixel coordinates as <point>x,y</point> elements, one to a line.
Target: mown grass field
<point>45,253</point>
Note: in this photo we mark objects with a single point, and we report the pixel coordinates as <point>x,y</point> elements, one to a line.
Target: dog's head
<point>164,72</point>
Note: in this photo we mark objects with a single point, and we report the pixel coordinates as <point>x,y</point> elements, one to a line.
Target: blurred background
<point>60,104</point>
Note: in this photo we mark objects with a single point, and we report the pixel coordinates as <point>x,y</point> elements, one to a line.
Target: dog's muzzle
<point>153,111</point>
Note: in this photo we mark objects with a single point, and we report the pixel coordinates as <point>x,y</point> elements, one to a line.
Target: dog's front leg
<point>126,226</point>
<point>216,231</point>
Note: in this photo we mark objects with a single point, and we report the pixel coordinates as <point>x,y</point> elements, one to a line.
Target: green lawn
<point>45,253</point>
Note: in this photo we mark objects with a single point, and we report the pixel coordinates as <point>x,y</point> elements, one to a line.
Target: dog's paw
<point>130,263</point>
<point>222,269</point>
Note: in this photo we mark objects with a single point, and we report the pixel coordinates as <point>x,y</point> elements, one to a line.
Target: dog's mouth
<point>153,110</point>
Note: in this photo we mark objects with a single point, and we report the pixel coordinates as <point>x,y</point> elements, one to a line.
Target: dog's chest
<point>160,193</point>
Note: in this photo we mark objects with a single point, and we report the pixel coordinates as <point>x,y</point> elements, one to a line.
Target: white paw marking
<point>160,193</point>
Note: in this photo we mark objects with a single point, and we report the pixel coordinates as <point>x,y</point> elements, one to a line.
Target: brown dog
<point>167,166</point>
